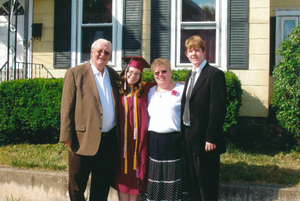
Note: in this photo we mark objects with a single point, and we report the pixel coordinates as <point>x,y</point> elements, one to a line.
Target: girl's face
<point>133,75</point>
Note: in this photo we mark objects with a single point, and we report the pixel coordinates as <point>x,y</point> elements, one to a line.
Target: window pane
<point>209,37</point>
<point>97,11</point>
<point>288,25</point>
<point>198,10</point>
<point>89,35</point>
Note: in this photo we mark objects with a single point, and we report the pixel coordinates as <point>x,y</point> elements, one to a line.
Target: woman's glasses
<point>162,72</point>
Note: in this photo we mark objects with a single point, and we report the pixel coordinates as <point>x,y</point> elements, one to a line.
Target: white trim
<point>220,25</point>
<point>30,20</point>
<point>73,33</point>
<point>224,35</point>
<point>117,29</point>
<point>281,16</point>
<point>173,34</point>
<point>118,36</point>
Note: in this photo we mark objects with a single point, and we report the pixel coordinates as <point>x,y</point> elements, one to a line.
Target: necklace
<point>161,92</point>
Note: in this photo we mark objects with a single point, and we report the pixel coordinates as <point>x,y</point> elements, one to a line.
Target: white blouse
<point>164,109</point>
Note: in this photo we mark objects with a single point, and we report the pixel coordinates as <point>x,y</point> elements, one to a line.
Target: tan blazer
<point>81,110</point>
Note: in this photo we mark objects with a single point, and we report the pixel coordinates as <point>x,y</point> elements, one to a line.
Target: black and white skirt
<point>166,179</point>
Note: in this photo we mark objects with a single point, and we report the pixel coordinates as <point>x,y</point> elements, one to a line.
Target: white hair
<point>101,40</point>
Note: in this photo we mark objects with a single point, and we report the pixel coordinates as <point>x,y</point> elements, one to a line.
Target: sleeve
<point>67,127</point>
<point>217,108</point>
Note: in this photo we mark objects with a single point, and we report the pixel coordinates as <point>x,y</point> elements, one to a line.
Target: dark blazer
<point>207,110</point>
<point>81,109</point>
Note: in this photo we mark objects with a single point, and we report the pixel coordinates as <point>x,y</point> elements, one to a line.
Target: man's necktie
<point>186,112</point>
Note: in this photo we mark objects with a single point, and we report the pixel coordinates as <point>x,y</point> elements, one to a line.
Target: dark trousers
<point>101,167</point>
<point>202,175</point>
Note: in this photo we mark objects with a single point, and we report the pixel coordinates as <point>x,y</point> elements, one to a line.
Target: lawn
<point>277,167</point>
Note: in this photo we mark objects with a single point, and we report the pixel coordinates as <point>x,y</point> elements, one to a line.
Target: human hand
<point>209,146</point>
<point>67,143</point>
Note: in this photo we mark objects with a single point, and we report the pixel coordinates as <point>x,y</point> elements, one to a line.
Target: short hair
<point>101,40</point>
<point>194,42</point>
<point>159,62</point>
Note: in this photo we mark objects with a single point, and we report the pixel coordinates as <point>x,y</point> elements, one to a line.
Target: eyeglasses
<point>106,53</point>
<point>132,73</point>
<point>162,72</point>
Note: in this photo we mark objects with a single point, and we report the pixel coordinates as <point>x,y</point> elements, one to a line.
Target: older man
<point>88,123</point>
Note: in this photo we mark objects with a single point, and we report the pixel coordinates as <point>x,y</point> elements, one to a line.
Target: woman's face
<point>133,75</point>
<point>162,75</point>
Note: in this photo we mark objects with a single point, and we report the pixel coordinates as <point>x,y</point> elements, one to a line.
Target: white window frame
<point>117,24</point>
<point>281,16</point>
<point>220,24</point>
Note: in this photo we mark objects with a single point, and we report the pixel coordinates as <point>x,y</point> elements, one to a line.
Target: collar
<point>199,68</point>
<point>96,71</point>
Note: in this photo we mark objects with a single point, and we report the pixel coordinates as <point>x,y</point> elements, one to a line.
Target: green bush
<point>29,110</point>
<point>286,91</point>
<point>234,93</point>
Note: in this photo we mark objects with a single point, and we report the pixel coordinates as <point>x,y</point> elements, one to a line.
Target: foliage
<point>286,93</point>
<point>29,110</point>
<point>234,99</point>
<point>12,199</point>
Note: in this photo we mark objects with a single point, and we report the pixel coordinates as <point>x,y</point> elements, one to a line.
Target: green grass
<point>41,156</point>
<point>276,167</point>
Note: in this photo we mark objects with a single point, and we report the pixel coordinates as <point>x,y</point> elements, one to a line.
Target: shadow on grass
<point>241,171</point>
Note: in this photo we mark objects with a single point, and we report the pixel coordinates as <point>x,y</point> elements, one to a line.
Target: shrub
<point>29,110</point>
<point>234,99</point>
<point>286,91</point>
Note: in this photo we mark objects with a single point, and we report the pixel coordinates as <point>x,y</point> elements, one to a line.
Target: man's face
<point>100,55</point>
<point>196,56</point>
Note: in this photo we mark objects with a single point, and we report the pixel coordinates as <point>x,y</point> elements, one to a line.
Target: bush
<point>286,92</point>
<point>30,110</point>
<point>234,93</point>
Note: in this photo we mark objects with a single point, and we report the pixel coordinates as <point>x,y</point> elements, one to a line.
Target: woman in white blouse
<point>165,180</point>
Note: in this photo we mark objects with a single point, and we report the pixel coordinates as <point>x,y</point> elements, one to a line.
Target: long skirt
<point>166,180</point>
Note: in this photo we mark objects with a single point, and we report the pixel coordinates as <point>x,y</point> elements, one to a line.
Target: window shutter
<point>272,43</point>
<point>132,28</point>
<point>238,40</point>
<point>62,34</point>
<point>160,29</point>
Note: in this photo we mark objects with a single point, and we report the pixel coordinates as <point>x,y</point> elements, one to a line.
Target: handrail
<point>22,70</point>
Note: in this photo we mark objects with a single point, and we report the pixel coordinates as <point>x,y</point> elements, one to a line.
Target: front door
<point>13,34</point>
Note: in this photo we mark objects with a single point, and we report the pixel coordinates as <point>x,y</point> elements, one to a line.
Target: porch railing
<point>23,71</point>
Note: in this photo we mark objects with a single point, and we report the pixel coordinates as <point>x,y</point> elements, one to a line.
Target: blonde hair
<point>160,62</point>
<point>194,42</point>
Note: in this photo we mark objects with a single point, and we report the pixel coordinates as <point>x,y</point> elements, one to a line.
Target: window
<point>198,17</point>
<point>99,19</point>
<point>96,22</point>
<point>286,20</point>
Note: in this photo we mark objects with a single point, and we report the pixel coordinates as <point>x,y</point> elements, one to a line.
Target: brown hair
<point>194,42</point>
<point>138,87</point>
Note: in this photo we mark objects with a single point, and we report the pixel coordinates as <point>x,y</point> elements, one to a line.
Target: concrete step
<point>37,185</point>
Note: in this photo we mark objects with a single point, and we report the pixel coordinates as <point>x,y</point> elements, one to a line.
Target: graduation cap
<point>137,62</point>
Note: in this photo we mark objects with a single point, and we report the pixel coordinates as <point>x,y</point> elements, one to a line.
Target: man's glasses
<point>162,72</point>
<point>106,53</point>
<point>132,73</point>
